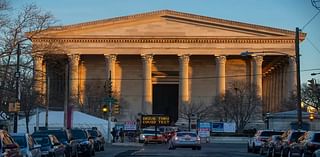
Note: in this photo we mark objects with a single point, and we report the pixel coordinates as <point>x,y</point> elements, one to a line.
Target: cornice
<point>170,40</point>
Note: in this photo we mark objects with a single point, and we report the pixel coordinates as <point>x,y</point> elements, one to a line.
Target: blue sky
<point>285,14</point>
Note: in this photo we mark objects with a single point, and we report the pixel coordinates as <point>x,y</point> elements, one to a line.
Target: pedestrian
<point>121,134</point>
<point>114,134</point>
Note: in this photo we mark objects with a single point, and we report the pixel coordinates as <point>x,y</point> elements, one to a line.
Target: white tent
<point>56,120</point>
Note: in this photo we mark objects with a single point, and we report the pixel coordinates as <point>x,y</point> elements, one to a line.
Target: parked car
<point>65,137</point>
<point>149,135</point>
<point>8,147</point>
<point>28,147</point>
<point>99,141</point>
<point>50,145</point>
<point>85,140</point>
<point>268,146</point>
<point>185,140</point>
<point>306,144</point>
<point>287,138</point>
<point>316,153</point>
<point>261,136</point>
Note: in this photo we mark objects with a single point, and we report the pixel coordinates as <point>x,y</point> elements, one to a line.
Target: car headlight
<point>44,152</point>
<point>84,142</point>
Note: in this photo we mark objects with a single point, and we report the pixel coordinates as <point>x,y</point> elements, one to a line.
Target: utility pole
<point>297,49</point>
<point>48,102</point>
<point>17,75</point>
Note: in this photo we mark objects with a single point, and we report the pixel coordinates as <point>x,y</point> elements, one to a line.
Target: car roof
<point>18,134</point>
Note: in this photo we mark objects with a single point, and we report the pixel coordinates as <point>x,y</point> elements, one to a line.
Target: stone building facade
<point>153,56</point>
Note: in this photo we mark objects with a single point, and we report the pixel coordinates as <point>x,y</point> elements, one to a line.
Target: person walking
<point>121,134</point>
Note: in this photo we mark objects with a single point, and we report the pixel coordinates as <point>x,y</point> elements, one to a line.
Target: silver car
<point>28,147</point>
<point>185,140</point>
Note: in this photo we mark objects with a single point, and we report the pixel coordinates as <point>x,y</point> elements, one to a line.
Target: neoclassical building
<point>158,61</point>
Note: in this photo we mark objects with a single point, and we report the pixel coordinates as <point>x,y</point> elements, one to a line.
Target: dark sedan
<point>85,140</point>
<point>99,141</point>
<point>65,137</point>
<point>50,145</point>
<point>306,144</point>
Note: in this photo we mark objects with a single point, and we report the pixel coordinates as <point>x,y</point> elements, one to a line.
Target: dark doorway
<point>165,100</point>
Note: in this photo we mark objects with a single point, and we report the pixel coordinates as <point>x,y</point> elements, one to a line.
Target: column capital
<point>147,57</point>
<point>292,59</point>
<point>258,60</point>
<point>73,57</point>
<point>37,57</point>
<point>221,59</point>
<point>111,57</point>
<point>184,59</point>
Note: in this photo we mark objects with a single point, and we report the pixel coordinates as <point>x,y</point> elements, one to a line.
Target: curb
<point>128,144</point>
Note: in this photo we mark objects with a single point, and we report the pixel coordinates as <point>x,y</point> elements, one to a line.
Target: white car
<point>261,136</point>
<point>185,139</point>
<point>28,146</point>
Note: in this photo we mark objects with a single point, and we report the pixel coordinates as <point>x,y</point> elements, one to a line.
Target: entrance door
<point>165,100</point>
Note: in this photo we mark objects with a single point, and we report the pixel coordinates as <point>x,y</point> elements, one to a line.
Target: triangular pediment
<point>164,23</point>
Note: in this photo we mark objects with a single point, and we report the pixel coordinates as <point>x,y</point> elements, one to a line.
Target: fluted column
<point>184,79</point>
<point>39,77</point>
<point>111,69</point>
<point>221,75</point>
<point>257,73</point>
<point>74,80</point>
<point>147,83</point>
<point>292,79</point>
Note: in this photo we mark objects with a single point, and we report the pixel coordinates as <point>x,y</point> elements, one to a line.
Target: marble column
<point>257,73</point>
<point>39,76</point>
<point>111,69</point>
<point>221,75</point>
<point>292,77</point>
<point>74,80</point>
<point>184,79</point>
<point>147,83</point>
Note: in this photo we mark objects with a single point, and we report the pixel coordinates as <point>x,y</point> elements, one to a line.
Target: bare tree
<point>13,31</point>
<point>240,104</point>
<point>310,95</point>
<point>200,110</point>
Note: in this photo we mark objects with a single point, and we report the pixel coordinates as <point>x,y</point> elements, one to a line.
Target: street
<point>208,150</point>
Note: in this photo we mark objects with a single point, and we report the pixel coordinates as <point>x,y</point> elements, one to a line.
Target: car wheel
<point>289,154</point>
<point>261,151</point>
<point>199,148</point>
<point>248,148</point>
<point>193,148</point>
<point>254,149</point>
<point>102,147</point>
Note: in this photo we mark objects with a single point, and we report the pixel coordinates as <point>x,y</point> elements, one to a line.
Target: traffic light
<point>116,109</point>
<point>17,106</point>
<point>311,116</point>
<point>105,109</point>
<point>311,84</point>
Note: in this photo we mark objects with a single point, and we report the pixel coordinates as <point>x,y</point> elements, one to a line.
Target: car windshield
<point>186,133</point>
<point>60,135</point>
<point>296,135</point>
<point>78,134</point>
<point>43,140</point>
<point>21,140</point>
<point>270,133</point>
<point>316,137</point>
<point>93,133</point>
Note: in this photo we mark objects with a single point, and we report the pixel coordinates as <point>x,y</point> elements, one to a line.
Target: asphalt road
<point>161,150</point>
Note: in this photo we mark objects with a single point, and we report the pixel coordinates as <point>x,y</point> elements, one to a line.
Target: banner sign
<point>130,125</point>
<point>152,120</point>
<point>204,129</point>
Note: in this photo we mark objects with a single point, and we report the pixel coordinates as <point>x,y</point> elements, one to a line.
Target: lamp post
<point>17,75</point>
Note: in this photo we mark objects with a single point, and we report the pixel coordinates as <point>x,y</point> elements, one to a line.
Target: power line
<point>313,45</point>
<point>310,20</point>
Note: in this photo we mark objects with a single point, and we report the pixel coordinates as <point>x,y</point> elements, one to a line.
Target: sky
<point>284,14</point>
